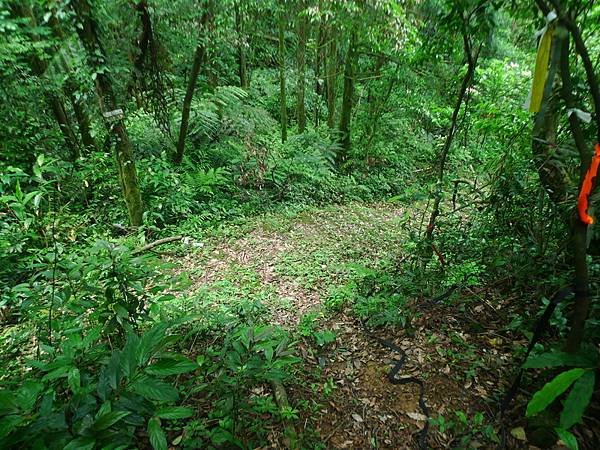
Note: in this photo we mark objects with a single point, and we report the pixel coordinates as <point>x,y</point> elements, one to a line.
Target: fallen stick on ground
<point>282,401</point>
<point>151,245</point>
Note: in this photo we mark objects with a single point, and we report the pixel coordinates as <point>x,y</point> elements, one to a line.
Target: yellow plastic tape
<point>540,74</point>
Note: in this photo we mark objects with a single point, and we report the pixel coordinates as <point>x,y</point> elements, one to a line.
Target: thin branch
<point>151,245</point>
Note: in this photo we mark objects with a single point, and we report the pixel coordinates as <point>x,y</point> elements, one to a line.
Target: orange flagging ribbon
<point>586,188</point>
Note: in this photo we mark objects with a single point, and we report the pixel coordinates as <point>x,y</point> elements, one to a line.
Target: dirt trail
<point>297,261</point>
<point>267,250</point>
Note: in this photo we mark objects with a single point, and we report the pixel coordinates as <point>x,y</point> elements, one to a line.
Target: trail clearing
<point>297,266</point>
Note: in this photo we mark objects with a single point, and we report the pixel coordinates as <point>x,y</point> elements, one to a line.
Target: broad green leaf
<point>557,359</point>
<point>37,200</point>
<point>577,400</point>
<point>175,412</point>
<point>568,438</point>
<point>18,191</point>
<point>104,409</point>
<point>109,419</point>
<point>154,389</point>
<point>542,398</point>
<point>37,171</point>
<point>113,370</point>
<point>149,342</point>
<point>28,394</point>
<point>171,366</point>
<point>56,373</point>
<point>47,403</point>
<point>156,434</point>
<point>129,354</point>
<point>91,336</point>
<point>74,379</point>
<point>9,423</point>
<point>29,196</point>
<point>81,443</point>
<point>8,402</point>
<point>269,353</point>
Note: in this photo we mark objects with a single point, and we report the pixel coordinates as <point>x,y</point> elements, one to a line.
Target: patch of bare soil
<point>360,406</point>
<point>365,410</point>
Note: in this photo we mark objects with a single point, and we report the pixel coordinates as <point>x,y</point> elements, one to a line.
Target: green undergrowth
<point>207,377</point>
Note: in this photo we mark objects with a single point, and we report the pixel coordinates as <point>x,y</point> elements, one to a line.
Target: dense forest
<point>299,224</point>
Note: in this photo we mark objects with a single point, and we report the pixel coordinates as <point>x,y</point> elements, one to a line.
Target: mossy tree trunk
<point>87,30</point>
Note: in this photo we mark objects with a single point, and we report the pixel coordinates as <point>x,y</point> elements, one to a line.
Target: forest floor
<point>301,266</point>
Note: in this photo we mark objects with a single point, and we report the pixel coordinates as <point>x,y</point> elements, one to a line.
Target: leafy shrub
<point>95,187</point>
<point>167,196</point>
<point>88,397</point>
<point>104,284</point>
<point>236,373</point>
<point>23,220</point>
<point>465,430</point>
<point>147,139</point>
<point>580,378</point>
<point>111,286</point>
<point>306,162</point>
<point>379,297</point>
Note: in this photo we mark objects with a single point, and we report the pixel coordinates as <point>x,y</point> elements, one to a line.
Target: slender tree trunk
<point>319,58</point>
<point>282,94</point>
<point>466,82</point>
<point>209,69</point>
<point>187,102</point>
<point>347,99</point>
<point>62,118</point>
<point>331,77</point>
<point>137,85</point>
<point>543,145</point>
<point>241,47</point>
<point>88,34</point>
<point>372,101</point>
<point>301,69</point>
<point>199,59</point>
<point>81,115</point>
<point>581,285</point>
